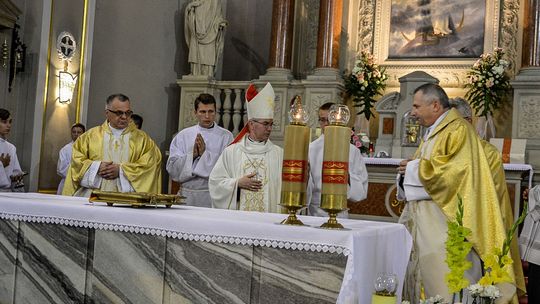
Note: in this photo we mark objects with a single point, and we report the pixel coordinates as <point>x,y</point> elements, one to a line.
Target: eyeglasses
<point>120,113</point>
<point>323,119</point>
<point>266,124</point>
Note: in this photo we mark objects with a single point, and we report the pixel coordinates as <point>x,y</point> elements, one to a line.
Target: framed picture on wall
<point>436,28</point>
<point>443,38</point>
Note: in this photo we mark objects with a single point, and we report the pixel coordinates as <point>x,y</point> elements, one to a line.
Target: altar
<point>381,203</point>
<point>57,249</point>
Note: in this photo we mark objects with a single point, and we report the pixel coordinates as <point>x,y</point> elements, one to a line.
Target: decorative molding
<point>366,15</point>
<point>388,103</point>
<point>529,111</point>
<point>509,29</point>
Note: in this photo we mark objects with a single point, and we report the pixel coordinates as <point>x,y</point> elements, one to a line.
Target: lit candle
<point>294,172</point>
<point>335,169</point>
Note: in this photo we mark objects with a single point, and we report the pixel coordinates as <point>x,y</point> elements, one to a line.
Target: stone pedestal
<point>392,109</point>
<point>526,110</point>
<point>191,87</point>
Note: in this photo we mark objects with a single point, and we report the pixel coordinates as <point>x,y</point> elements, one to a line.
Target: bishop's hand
<point>250,182</point>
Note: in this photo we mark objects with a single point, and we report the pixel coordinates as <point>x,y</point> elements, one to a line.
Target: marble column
<point>531,35</point>
<point>526,107</point>
<point>330,14</point>
<point>279,63</point>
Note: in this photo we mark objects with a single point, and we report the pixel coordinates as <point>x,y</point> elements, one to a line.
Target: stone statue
<point>204,30</point>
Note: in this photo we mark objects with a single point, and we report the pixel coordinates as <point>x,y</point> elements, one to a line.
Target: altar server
<point>64,156</point>
<point>247,176</point>
<point>10,173</point>
<point>195,150</point>
<point>449,163</point>
<point>115,156</point>
<point>358,178</point>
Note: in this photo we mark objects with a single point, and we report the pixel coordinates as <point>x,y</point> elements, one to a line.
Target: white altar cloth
<point>396,161</point>
<point>371,247</point>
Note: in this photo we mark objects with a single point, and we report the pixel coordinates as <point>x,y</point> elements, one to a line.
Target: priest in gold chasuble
<point>115,156</point>
<point>450,162</point>
<point>247,175</point>
<point>494,158</point>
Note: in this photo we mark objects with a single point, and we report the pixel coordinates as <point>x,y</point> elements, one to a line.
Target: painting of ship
<point>436,29</point>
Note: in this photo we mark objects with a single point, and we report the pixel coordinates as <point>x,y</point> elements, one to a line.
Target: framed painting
<point>443,38</point>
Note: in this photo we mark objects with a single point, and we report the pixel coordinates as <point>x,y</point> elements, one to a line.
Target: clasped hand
<point>403,166</point>
<point>199,147</point>
<point>250,182</point>
<point>5,158</point>
<point>109,170</point>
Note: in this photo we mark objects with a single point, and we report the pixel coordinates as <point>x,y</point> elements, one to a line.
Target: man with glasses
<point>195,150</point>
<point>247,176</point>
<point>115,156</point>
<point>358,178</point>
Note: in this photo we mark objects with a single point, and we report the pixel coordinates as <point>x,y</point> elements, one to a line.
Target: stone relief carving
<point>316,101</point>
<point>529,125</point>
<point>366,14</point>
<point>189,118</point>
<point>388,102</point>
<point>509,28</point>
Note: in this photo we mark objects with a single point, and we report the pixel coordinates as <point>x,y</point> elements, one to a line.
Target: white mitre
<point>260,105</point>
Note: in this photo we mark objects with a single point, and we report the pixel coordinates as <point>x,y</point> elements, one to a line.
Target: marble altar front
<point>62,250</point>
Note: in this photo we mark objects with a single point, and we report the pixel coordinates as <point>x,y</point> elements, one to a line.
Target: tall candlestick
<point>294,172</point>
<point>335,166</point>
<point>335,169</point>
<point>295,155</point>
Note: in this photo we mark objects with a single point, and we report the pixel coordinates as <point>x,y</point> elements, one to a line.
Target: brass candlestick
<point>295,155</point>
<point>335,167</point>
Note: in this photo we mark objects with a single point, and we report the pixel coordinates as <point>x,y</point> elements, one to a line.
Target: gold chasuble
<point>497,170</point>
<point>452,163</point>
<point>142,168</point>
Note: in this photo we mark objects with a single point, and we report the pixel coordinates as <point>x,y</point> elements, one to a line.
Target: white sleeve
<point>208,159</point>
<point>400,192</point>
<point>123,183</point>
<point>5,180</point>
<point>180,162</point>
<point>414,189</point>
<point>222,184</point>
<point>91,179</point>
<point>358,177</point>
<point>63,163</point>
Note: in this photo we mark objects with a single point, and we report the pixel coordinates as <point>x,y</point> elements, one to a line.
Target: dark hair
<point>326,106</point>
<point>137,120</point>
<point>79,125</point>
<point>4,114</point>
<point>433,92</point>
<point>118,96</point>
<point>204,99</point>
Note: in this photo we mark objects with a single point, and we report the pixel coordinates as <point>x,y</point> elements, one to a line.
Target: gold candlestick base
<point>332,222</point>
<point>292,219</point>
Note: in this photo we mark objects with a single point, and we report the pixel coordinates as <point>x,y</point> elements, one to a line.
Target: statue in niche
<point>204,31</point>
<point>412,131</point>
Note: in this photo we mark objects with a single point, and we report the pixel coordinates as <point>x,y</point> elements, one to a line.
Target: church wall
<point>139,50</point>
<point>247,39</point>
<point>20,101</point>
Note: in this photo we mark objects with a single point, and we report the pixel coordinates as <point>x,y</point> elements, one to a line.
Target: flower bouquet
<point>364,82</point>
<point>361,141</point>
<point>488,85</point>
